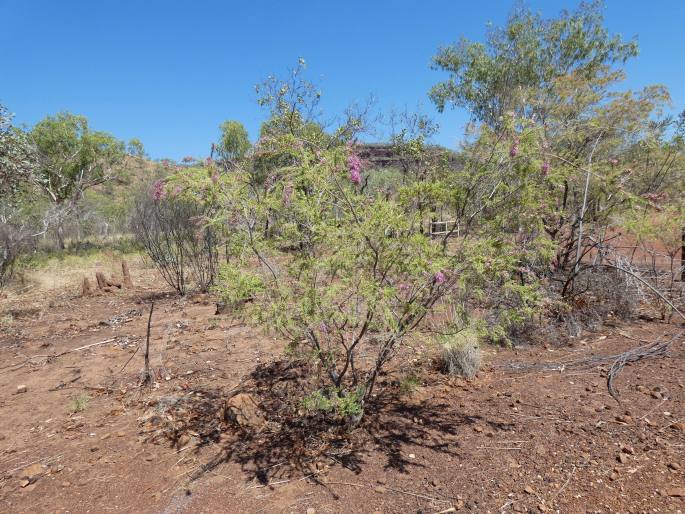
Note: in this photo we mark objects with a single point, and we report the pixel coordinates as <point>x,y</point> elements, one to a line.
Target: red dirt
<point>542,439</point>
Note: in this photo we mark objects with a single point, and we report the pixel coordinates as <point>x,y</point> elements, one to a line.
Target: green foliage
<point>234,142</point>
<point>526,62</point>
<point>72,156</point>
<point>330,400</point>
<point>79,404</point>
<point>409,384</point>
<point>236,286</point>
<point>135,148</point>
<point>17,159</point>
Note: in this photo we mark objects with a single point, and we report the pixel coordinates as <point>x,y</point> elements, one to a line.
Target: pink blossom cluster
<point>545,168</point>
<point>514,150</point>
<point>439,277</point>
<point>354,164</point>
<point>158,191</point>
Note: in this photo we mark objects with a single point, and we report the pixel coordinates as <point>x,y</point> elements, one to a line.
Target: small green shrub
<point>236,286</point>
<point>409,384</point>
<point>79,403</point>
<point>346,406</point>
<point>461,354</point>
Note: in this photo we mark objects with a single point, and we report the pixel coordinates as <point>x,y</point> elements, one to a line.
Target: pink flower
<point>403,287</point>
<point>158,191</point>
<point>439,277</point>
<point>323,327</point>
<point>545,168</point>
<point>354,164</point>
<point>215,177</point>
<point>208,161</point>
<point>514,150</point>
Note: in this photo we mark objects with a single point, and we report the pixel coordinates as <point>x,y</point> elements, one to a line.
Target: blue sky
<point>169,72</point>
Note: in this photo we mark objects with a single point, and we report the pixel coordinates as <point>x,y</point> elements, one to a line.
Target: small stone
<point>614,475</point>
<point>656,395</point>
<point>411,456</point>
<point>21,389</point>
<point>528,490</point>
<point>380,489</point>
<point>33,472</point>
<point>627,449</point>
<point>642,389</point>
<point>311,510</point>
<point>478,429</point>
<point>678,426</point>
<point>678,492</point>
<point>24,483</point>
<point>105,437</point>
<point>674,465</point>
<point>121,434</point>
<point>624,419</point>
<point>622,458</point>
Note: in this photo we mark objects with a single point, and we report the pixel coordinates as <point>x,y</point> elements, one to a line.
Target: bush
<point>13,241</point>
<point>174,234</point>
<point>461,355</point>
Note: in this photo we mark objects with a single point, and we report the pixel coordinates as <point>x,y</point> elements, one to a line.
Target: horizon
<point>169,76</point>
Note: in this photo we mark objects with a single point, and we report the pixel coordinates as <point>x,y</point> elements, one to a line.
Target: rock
<point>30,474</point>
<point>678,492</point>
<point>624,419</point>
<point>678,426</point>
<point>243,410</point>
<point>627,449</point>
<point>380,489</point>
<point>528,490</point>
<point>622,458</point>
<point>121,434</point>
<point>656,395</point>
<point>21,389</point>
<point>478,429</point>
<point>411,456</point>
<point>674,465</point>
<point>311,510</point>
<point>642,389</point>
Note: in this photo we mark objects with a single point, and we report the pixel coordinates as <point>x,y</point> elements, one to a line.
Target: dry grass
<point>64,274</point>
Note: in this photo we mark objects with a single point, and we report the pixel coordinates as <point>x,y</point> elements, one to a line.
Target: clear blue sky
<point>168,72</point>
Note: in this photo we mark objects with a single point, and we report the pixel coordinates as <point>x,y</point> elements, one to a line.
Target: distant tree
<point>552,138</point>
<point>135,148</point>
<point>234,142</point>
<point>72,159</point>
<point>17,166</point>
<point>17,158</point>
<point>522,68</point>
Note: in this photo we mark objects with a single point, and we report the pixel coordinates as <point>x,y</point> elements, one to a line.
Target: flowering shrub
<point>173,230</point>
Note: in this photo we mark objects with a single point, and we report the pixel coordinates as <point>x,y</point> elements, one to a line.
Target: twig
<point>565,483</point>
<point>82,348</point>
<point>147,379</point>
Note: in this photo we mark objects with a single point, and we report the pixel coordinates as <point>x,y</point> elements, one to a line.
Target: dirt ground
<point>532,433</point>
